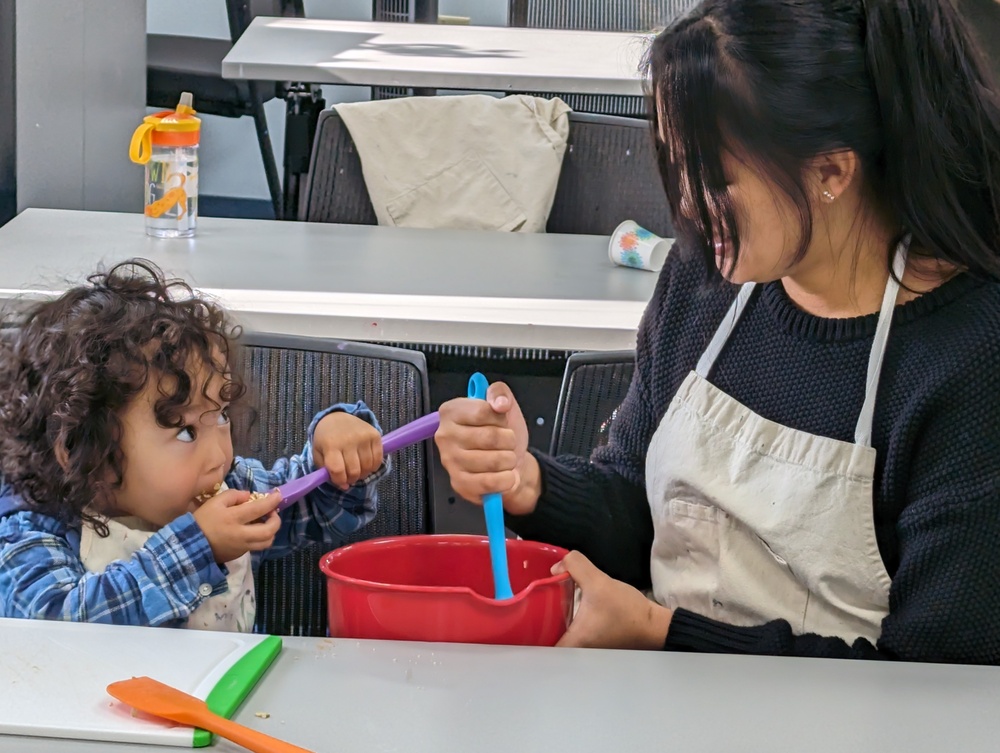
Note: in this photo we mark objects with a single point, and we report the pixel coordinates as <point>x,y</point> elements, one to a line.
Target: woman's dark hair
<point>77,361</point>
<point>899,82</point>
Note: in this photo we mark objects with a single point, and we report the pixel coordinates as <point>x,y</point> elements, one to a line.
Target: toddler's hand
<point>235,524</point>
<point>348,447</point>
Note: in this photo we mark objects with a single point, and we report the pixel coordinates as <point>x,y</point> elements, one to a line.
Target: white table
<point>529,292</point>
<point>425,57</point>
<point>438,56</point>
<point>355,282</point>
<point>366,696</point>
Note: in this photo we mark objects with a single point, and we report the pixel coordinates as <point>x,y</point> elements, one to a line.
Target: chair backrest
<point>608,175</point>
<point>335,190</point>
<point>399,11</point>
<point>598,15</point>
<point>594,386</point>
<point>292,378</point>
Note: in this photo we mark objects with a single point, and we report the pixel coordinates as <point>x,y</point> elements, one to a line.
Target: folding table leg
<point>303,104</point>
<point>425,12</point>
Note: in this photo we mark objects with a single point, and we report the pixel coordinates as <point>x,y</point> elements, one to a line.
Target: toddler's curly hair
<point>77,361</point>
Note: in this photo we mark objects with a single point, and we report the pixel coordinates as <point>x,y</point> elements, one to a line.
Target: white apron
<point>754,521</point>
<point>233,610</point>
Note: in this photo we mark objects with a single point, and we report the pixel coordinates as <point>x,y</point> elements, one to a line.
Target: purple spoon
<point>407,434</point>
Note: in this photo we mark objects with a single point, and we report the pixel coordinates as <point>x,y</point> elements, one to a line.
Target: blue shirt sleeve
<point>326,515</point>
<point>42,576</point>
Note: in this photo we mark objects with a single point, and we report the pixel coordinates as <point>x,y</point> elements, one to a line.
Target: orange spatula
<point>153,697</point>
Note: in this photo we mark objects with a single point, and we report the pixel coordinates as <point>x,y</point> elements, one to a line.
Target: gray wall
<point>230,159</point>
<point>81,85</point>
<point>8,162</point>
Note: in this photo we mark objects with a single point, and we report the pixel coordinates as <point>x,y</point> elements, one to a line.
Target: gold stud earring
<point>828,195</point>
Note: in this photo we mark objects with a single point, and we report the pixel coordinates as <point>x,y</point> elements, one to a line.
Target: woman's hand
<point>483,444</point>
<point>612,614</point>
<point>348,447</point>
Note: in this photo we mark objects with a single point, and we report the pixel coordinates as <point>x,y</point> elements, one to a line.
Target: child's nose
<point>218,455</point>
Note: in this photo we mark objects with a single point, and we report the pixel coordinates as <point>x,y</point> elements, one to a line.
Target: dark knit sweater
<point>936,433</point>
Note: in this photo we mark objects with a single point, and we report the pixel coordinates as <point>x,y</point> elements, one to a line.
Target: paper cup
<point>636,247</point>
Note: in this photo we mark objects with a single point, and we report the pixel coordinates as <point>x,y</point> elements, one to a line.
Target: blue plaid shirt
<point>42,576</point>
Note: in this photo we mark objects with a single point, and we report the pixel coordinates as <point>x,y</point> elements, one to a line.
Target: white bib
<point>233,610</point>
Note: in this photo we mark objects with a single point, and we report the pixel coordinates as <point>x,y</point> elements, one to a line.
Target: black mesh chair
<point>405,11</point>
<point>608,175</point>
<point>194,64</point>
<point>291,379</point>
<point>593,388</point>
<point>598,15</point>
<point>335,190</point>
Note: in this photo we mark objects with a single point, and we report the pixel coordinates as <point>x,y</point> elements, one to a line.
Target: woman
<point>808,458</point>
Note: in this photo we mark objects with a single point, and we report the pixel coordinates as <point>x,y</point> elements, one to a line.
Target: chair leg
<point>266,150</point>
<point>517,13</point>
<point>425,11</point>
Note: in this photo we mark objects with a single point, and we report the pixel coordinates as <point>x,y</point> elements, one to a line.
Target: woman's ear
<point>834,173</point>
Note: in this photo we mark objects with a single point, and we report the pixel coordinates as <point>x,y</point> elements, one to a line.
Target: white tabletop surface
<point>354,282</point>
<point>348,696</point>
<point>438,56</point>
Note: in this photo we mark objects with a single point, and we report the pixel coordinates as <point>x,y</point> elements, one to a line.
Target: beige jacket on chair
<point>473,162</point>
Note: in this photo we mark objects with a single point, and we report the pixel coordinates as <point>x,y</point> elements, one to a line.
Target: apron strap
<point>863,430</point>
<point>725,329</point>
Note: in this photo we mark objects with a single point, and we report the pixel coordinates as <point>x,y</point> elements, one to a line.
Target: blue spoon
<point>493,508</point>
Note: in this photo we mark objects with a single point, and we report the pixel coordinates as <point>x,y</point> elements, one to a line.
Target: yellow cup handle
<point>141,147</point>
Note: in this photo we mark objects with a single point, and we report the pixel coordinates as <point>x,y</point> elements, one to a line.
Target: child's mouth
<point>202,498</point>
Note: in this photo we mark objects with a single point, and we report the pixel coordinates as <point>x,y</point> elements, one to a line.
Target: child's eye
<point>223,416</point>
<point>187,434</point>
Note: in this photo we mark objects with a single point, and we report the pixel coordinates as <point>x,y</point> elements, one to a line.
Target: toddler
<point>121,500</point>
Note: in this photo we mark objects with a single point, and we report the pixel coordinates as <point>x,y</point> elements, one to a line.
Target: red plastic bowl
<point>439,588</point>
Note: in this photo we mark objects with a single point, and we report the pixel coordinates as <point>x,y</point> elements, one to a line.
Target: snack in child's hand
<point>221,487</point>
<point>205,496</point>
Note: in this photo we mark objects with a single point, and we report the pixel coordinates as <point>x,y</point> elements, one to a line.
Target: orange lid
<point>177,127</point>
